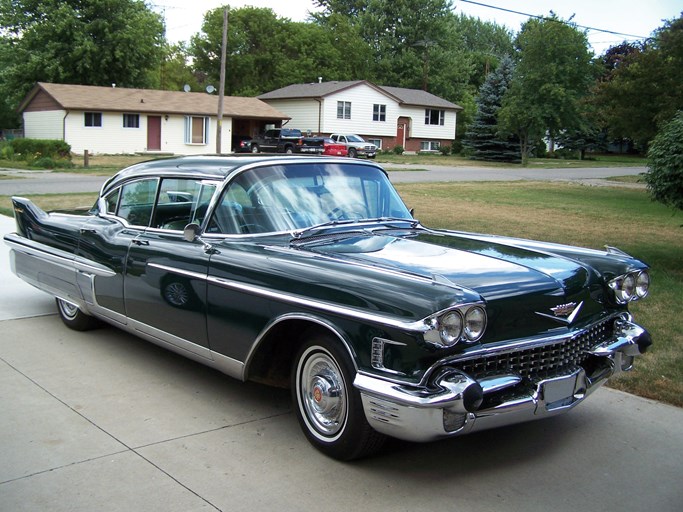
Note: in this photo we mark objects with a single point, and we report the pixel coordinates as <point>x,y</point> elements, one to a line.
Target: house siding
<point>362,99</point>
<point>113,138</point>
<point>303,113</point>
<point>418,128</point>
<point>44,124</point>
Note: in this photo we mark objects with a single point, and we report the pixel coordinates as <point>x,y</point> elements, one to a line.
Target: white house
<point>116,120</point>
<point>387,116</point>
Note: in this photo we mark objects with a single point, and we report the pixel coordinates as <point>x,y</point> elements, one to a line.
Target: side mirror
<point>191,232</point>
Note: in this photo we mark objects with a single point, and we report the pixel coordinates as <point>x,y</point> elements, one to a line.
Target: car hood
<point>493,270</point>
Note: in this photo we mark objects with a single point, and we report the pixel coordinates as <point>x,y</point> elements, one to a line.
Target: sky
<point>633,19</point>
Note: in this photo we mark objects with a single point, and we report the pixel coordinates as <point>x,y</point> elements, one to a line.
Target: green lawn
<point>565,213</point>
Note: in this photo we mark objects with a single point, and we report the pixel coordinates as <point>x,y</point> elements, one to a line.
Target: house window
<point>92,118</point>
<point>376,142</point>
<point>379,112</point>
<point>196,130</point>
<point>435,117</point>
<point>430,145</point>
<point>343,110</point>
<point>131,120</point>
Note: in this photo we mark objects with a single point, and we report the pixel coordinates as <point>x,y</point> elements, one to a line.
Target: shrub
<point>44,162</point>
<point>29,148</point>
<point>445,150</point>
<point>6,151</point>
<point>398,150</point>
<point>665,161</point>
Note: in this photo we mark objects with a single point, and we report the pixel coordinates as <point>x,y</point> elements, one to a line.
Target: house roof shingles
<point>120,99</point>
<point>321,89</point>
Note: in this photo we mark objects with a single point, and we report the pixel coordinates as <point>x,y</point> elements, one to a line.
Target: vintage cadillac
<point>311,273</point>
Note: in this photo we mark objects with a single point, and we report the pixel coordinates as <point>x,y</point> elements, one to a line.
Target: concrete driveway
<point>103,421</point>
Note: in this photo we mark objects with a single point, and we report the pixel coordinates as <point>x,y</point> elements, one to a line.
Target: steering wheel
<point>350,211</point>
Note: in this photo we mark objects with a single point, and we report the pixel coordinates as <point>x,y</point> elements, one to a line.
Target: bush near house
<point>42,153</point>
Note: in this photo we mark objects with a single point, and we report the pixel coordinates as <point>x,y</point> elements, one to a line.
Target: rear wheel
<point>328,407</point>
<point>74,318</point>
<point>254,148</point>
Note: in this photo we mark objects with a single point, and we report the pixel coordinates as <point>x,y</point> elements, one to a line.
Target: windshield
<point>355,138</point>
<point>287,198</point>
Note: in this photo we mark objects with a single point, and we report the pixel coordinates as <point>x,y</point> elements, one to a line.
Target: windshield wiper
<point>388,220</point>
<point>385,221</point>
<point>316,227</point>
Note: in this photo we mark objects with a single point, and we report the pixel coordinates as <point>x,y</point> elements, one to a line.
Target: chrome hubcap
<point>69,310</point>
<point>323,394</point>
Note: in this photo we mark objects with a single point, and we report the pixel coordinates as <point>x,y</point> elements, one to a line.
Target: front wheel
<point>353,153</point>
<point>74,318</point>
<point>329,409</point>
<point>254,148</point>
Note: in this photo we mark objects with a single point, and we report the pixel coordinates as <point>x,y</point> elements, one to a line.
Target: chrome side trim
<point>418,326</point>
<point>57,256</point>
<point>183,347</point>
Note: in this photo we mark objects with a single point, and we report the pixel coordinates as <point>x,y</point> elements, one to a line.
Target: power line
<point>546,18</point>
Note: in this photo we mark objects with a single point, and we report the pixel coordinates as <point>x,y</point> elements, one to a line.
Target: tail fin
<point>27,215</point>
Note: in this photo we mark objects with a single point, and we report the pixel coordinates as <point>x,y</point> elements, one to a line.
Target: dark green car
<point>311,273</point>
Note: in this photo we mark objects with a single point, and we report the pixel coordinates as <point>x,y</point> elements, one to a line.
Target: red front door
<point>153,133</point>
<point>401,134</point>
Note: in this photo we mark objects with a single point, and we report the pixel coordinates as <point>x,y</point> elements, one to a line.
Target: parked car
<point>356,144</point>
<point>311,273</point>
<point>241,144</point>
<point>286,140</point>
<point>334,148</point>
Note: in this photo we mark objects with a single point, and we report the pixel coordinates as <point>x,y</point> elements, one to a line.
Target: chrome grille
<point>541,360</point>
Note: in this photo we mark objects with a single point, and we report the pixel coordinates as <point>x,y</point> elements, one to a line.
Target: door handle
<point>140,242</point>
<point>88,231</point>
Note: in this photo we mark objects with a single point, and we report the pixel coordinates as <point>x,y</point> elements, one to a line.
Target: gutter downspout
<point>66,114</point>
<point>320,113</point>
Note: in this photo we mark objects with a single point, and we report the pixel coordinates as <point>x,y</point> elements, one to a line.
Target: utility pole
<point>221,86</point>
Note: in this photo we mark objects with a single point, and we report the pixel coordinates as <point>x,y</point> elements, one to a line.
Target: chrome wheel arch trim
<point>329,326</point>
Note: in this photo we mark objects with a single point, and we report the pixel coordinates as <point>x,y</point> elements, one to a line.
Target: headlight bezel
<point>463,324</point>
<point>631,286</point>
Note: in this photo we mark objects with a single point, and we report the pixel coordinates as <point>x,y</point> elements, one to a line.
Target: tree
<point>644,86</point>
<point>71,41</point>
<point>553,74</point>
<point>174,71</point>
<point>665,161</point>
<point>266,52</point>
<point>483,138</point>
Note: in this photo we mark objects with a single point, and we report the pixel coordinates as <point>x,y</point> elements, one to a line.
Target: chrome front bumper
<point>457,404</point>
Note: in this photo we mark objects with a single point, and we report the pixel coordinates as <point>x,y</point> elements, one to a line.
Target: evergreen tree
<point>482,137</point>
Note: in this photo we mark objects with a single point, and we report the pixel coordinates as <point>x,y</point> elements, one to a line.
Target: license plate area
<point>558,392</point>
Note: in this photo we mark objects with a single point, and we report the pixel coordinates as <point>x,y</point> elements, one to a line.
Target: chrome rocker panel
<point>451,406</point>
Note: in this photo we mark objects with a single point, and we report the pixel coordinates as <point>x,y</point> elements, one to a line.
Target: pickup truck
<point>286,140</point>
<point>357,146</point>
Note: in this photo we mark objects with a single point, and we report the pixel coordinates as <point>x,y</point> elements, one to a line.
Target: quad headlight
<point>463,324</point>
<point>631,286</point>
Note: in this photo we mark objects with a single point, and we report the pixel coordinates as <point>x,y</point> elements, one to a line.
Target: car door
<point>105,240</point>
<point>165,276</point>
